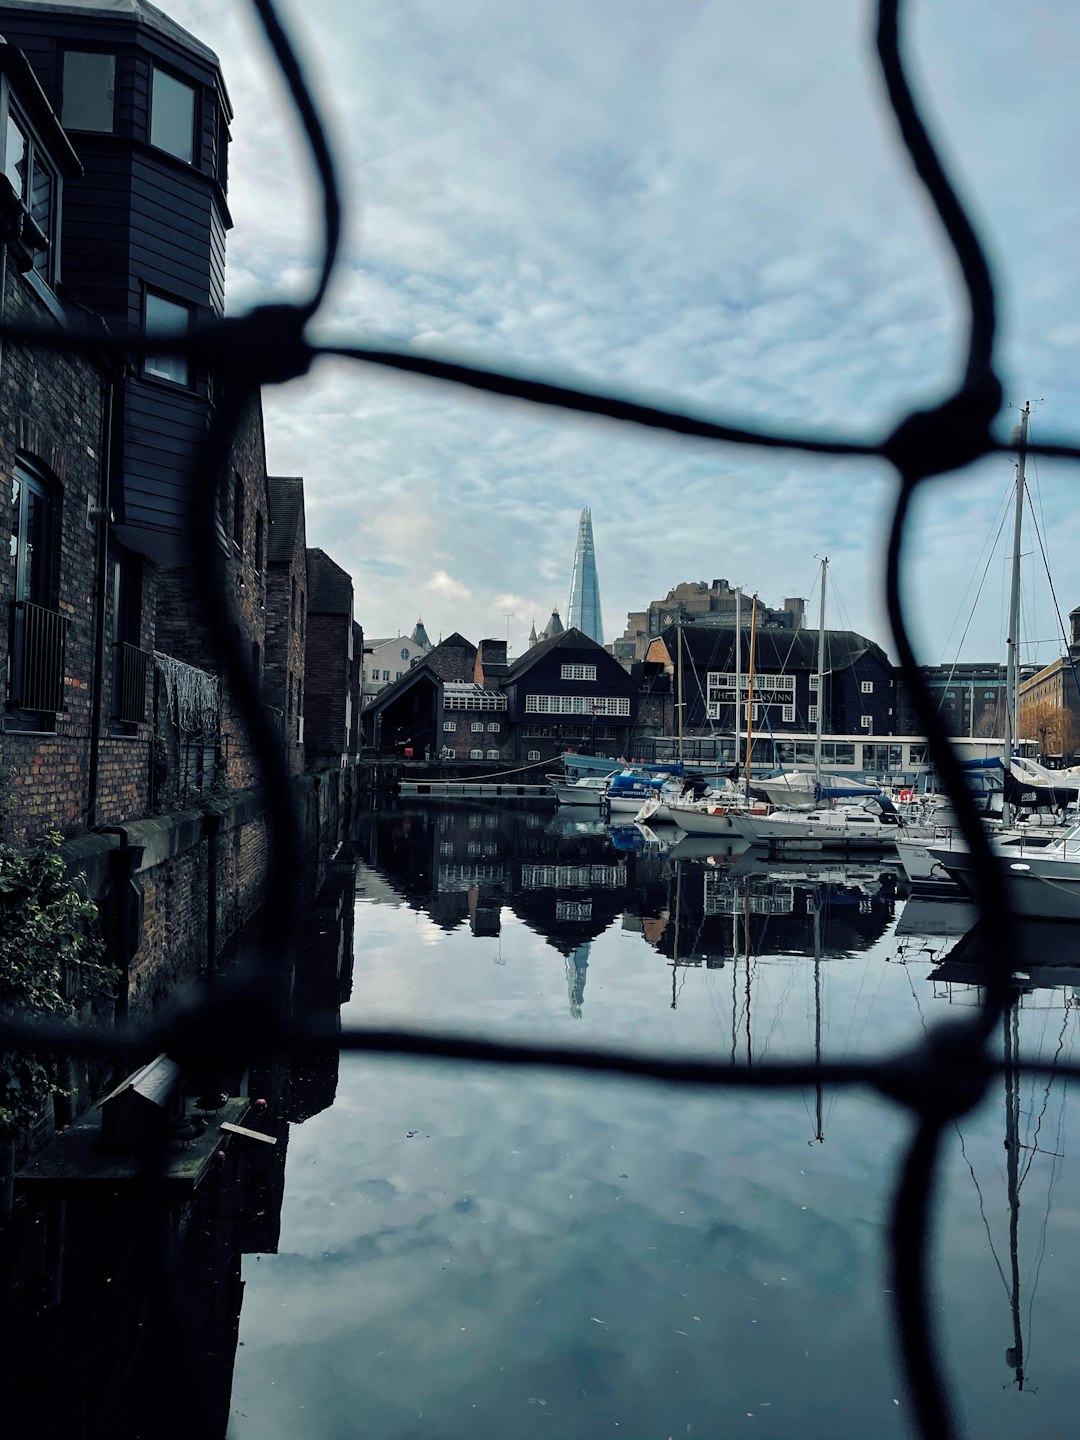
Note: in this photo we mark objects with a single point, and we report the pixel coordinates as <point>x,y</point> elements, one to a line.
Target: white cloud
<point>446,586</point>
<point>705,202</point>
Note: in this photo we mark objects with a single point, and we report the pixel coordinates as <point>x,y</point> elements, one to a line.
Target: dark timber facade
<point>143,240</point>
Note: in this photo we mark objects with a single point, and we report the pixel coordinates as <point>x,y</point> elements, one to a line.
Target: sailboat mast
<point>1012,671</point>
<point>750,693</point>
<point>738,668</point>
<point>820,677</point>
<point>819,1132</point>
<point>679,685</point>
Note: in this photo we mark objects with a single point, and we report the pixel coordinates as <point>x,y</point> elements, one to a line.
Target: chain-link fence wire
<point>937,1080</point>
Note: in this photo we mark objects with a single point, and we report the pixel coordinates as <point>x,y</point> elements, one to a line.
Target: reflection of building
<point>464,866</point>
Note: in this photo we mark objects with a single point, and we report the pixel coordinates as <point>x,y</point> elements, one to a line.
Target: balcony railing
<point>129,683</point>
<point>37,672</point>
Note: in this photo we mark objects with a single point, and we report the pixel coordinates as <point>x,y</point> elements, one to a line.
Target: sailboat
<point>810,787</point>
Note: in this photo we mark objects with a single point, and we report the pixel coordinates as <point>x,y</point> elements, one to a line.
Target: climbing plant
<point>50,962</point>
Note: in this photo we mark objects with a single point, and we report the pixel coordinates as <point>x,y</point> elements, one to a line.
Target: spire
<point>584,611</point>
<point>554,625</point>
<point>420,636</point>
<point>532,635</point>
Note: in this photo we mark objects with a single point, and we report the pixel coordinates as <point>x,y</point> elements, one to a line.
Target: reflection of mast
<point>675,940</point>
<point>746,906</point>
<point>819,1133</point>
<point>1014,1356</point>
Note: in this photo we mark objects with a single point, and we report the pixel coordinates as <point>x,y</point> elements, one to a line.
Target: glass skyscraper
<point>584,610</point>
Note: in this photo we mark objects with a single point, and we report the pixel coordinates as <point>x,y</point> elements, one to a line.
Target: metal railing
<point>129,683</point>
<point>935,1081</point>
<point>38,650</point>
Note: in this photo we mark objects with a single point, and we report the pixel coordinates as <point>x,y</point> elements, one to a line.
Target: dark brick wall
<point>181,628</point>
<point>327,664</point>
<point>51,411</point>
<point>286,626</point>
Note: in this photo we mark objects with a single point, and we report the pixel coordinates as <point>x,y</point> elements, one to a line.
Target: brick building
<point>466,703</point>
<point>329,664</point>
<point>286,614</point>
<point>79,607</point>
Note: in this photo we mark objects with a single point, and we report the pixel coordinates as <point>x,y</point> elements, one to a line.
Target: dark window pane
<point>15,158</point>
<point>89,88</point>
<point>166,317</point>
<point>172,116</point>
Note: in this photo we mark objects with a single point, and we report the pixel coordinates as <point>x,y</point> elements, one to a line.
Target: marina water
<point>484,1253</point>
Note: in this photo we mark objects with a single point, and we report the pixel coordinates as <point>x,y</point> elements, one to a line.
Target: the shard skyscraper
<point>584,611</point>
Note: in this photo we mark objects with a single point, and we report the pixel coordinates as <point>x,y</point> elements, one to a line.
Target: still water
<point>466,1252</point>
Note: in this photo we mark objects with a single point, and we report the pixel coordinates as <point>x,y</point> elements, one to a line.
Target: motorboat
<point>1042,881</point>
<point>586,790</point>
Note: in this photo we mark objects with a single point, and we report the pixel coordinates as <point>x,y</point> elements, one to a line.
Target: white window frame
<point>494,725</point>
<point>493,754</point>
<point>477,725</point>
<point>533,755</point>
<point>866,687</point>
<point>789,714</point>
<point>449,724</point>
<point>813,714</point>
<point>813,682</point>
<point>577,705</point>
<point>578,672</point>
<point>476,754</point>
<point>866,722</point>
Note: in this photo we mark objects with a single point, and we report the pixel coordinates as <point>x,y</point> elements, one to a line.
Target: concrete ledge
<point>89,856</point>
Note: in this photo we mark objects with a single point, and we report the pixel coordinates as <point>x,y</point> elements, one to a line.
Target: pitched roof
<point>565,640</point>
<point>286,506</point>
<point>330,588</point>
<point>456,641</point>
<point>712,647</point>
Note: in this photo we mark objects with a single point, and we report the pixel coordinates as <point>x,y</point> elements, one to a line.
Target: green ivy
<point>50,963</point>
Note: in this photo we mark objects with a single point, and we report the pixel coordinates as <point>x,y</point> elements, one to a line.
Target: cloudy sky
<point>702,201</point>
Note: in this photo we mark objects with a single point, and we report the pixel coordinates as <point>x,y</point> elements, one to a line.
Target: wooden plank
<point>248,1134</point>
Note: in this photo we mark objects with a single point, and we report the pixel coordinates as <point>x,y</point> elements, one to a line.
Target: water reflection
<point>122,1306</point>
<point>475,1253</point>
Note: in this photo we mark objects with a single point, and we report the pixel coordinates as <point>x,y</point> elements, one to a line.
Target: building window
<point>39,635</point>
<point>534,755</point>
<point>579,672</point>
<point>404,652</point>
<point>478,724</point>
<point>386,674</point>
<point>493,754</point>
<point>476,754</point>
<point>813,682</point>
<point>259,540</point>
<point>494,725</point>
<point>789,714</point>
<point>399,674</point>
<point>813,714</point>
<point>34,182</point>
<point>866,687</point>
<point>166,317</point>
<point>172,116</point>
<point>129,659</point>
<point>89,93</point>
<point>577,705</point>
<point>449,724</point>
<point>866,721</point>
